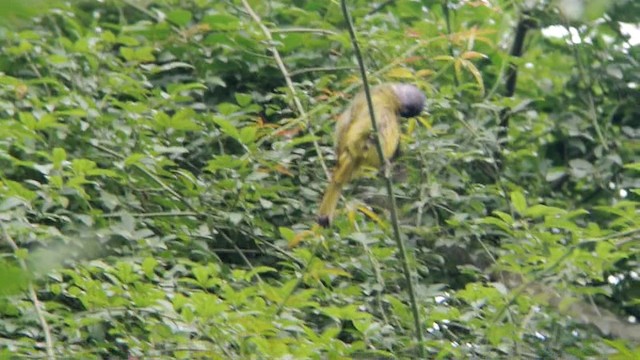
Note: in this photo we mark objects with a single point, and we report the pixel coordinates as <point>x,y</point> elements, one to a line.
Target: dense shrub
<point>159,181</point>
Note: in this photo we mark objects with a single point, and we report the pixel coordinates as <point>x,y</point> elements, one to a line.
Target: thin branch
<point>387,175</point>
<point>525,23</point>
<point>523,26</point>
<point>33,296</point>
<point>238,250</point>
<point>146,171</point>
<point>303,30</point>
<point>287,78</point>
<point>375,266</point>
<point>447,17</point>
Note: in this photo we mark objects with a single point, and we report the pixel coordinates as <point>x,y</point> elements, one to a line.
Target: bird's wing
<point>343,123</point>
<point>389,130</point>
<point>355,134</point>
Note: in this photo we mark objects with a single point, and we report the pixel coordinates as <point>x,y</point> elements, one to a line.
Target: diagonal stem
<point>389,184</point>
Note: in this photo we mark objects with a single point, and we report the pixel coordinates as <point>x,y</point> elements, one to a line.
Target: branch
<point>389,183</point>
<point>524,24</point>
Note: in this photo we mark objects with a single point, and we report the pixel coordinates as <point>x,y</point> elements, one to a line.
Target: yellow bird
<point>355,144</point>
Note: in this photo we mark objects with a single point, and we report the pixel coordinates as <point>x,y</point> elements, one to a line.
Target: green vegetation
<point>162,161</point>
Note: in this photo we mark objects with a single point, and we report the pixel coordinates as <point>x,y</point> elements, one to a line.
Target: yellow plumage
<point>355,144</point>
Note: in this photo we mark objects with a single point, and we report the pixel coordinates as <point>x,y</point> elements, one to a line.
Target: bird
<point>355,145</point>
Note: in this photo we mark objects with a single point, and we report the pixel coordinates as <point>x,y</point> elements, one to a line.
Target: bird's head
<point>411,99</point>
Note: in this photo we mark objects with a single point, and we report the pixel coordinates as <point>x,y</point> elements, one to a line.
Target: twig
<point>389,183</point>
<point>287,78</point>
<point>237,249</point>
<point>525,23</point>
<point>33,296</point>
<point>146,171</point>
<point>375,266</point>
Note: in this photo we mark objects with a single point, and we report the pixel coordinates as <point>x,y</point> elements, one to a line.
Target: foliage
<point>159,182</point>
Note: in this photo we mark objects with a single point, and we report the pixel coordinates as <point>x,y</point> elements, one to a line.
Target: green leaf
<point>82,166</point>
<point>519,202</point>
<point>259,270</point>
<point>286,233</point>
<point>13,280</point>
<point>225,162</point>
<point>222,21</point>
<point>301,140</point>
<point>175,89</point>
<point>138,54</point>
<point>58,156</point>
<point>134,159</point>
<point>580,168</point>
<point>227,127</point>
<point>504,216</point>
<point>243,99</point>
<point>539,210</point>
<point>248,134</point>
<point>633,166</point>
<point>183,120</point>
<point>148,266</point>
<point>506,226</point>
<point>180,17</point>
<point>228,108</point>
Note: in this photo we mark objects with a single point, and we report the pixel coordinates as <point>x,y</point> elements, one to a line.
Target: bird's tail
<point>341,175</point>
<point>329,203</point>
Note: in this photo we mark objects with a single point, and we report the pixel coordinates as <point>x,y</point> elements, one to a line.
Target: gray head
<point>411,99</point>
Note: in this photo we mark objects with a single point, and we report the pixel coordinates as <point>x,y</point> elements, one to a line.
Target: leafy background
<point>159,181</point>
